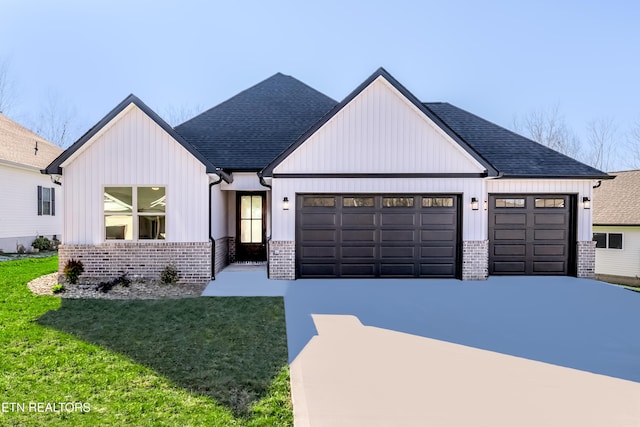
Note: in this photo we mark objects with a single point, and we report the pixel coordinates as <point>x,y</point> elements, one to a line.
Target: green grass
<point>186,362</point>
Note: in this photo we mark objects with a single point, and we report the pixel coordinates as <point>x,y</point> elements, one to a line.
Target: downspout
<point>264,184</point>
<point>213,241</point>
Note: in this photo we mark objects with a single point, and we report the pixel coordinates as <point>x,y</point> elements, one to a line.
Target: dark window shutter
<point>53,201</point>
<point>39,199</point>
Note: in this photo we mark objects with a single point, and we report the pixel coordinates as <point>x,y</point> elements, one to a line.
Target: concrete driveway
<point>509,351</point>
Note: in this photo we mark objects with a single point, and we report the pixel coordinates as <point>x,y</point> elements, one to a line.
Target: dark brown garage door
<point>345,235</point>
<point>531,234</point>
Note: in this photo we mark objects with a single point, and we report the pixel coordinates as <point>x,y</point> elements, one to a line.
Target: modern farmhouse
<point>377,185</point>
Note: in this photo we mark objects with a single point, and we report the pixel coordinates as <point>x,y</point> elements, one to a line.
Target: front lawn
<point>186,362</point>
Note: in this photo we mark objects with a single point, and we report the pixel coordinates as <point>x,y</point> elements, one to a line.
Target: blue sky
<point>497,59</point>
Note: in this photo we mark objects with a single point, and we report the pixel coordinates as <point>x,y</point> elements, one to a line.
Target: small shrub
<point>72,270</point>
<point>21,249</point>
<point>169,275</point>
<point>121,280</point>
<point>58,289</point>
<point>42,243</point>
<point>105,287</point>
<point>55,243</point>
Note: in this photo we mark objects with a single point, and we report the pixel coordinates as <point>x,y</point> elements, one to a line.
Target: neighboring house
<point>616,228</point>
<point>29,199</point>
<point>378,185</point>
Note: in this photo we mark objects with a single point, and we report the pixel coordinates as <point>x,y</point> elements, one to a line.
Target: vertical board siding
<point>620,262</point>
<point>219,213</point>
<point>134,150</point>
<point>19,214</point>
<point>474,223</point>
<point>379,131</point>
<point>581,188</point>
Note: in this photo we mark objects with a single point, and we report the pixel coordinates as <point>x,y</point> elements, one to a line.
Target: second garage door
<point>531,234</point>
<point>397,235</point>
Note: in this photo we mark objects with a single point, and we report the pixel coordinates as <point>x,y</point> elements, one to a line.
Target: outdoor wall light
<point>586,203</point>
<point>474,203</point>
<point>285,204</point>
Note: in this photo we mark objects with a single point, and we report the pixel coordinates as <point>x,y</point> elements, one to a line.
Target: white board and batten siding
<point>474,223</point>
<point>620,262</point>
<point>582,188</point>
<point>19,219</point>
<point>132,150</point>
<point>379,131</point>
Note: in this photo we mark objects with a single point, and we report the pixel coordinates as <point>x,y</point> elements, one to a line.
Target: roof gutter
<point>211,239</point>
<point>264,184</point>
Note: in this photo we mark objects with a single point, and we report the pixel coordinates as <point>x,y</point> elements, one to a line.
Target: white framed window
<point>608,240</point>
<point>46,200</point>
<point>134,213</point>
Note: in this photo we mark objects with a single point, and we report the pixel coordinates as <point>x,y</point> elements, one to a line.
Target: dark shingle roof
<point>511,154</point>
<point>249,130</point>
<point>615,202</point>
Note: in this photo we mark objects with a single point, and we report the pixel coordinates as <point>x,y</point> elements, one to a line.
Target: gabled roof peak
<point>56,166</point>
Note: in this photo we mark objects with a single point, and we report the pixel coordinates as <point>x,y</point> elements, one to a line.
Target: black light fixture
<point>285,203</point>
<point>474,203</point>
<point>586,202</point>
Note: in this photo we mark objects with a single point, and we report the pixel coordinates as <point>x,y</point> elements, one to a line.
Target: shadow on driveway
<point>576,323</point>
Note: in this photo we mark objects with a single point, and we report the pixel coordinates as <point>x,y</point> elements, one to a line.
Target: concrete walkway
<point>508,351</point>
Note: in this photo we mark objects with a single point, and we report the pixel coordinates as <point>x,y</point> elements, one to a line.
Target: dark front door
<point>251,227</point>
<point>377,235</point>
<point>531,234</point>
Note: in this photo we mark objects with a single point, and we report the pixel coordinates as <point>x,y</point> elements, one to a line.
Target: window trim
<point>134,214</point>
<point>41,201</point>
<point>607,240</point>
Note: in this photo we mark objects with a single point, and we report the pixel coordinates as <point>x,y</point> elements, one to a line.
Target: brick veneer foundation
<point>222,253</point>
<point>475,260</point>
<point>586,259</point>
<point>232,250</point>
<point>282,260</point>
<point>141,260</point>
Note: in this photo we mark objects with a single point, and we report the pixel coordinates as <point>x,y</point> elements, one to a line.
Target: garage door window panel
<point>437,202</point>
<point>319,201</point>
<point>549,203</point>
<point>510,203</point>
<point>358,202</point>
<point>397,202</point>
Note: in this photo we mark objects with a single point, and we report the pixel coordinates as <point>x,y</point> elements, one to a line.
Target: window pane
<point>437,202</point>
<point>151,227</point>
<point>509,203</point>
<point>46,201</point>
<point>549,203</point>
<point>118,199</point>
<point>152,199</point>
<point>615,241</point>
<point>355,202</point>
<point>118,227</point>
<point>245,231</point>
<point>393,202</point>
<point>319,201</point>
<point>600,239</point>
<point>256,207</point>
<point>256,231</point>
<point>245,207</point>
